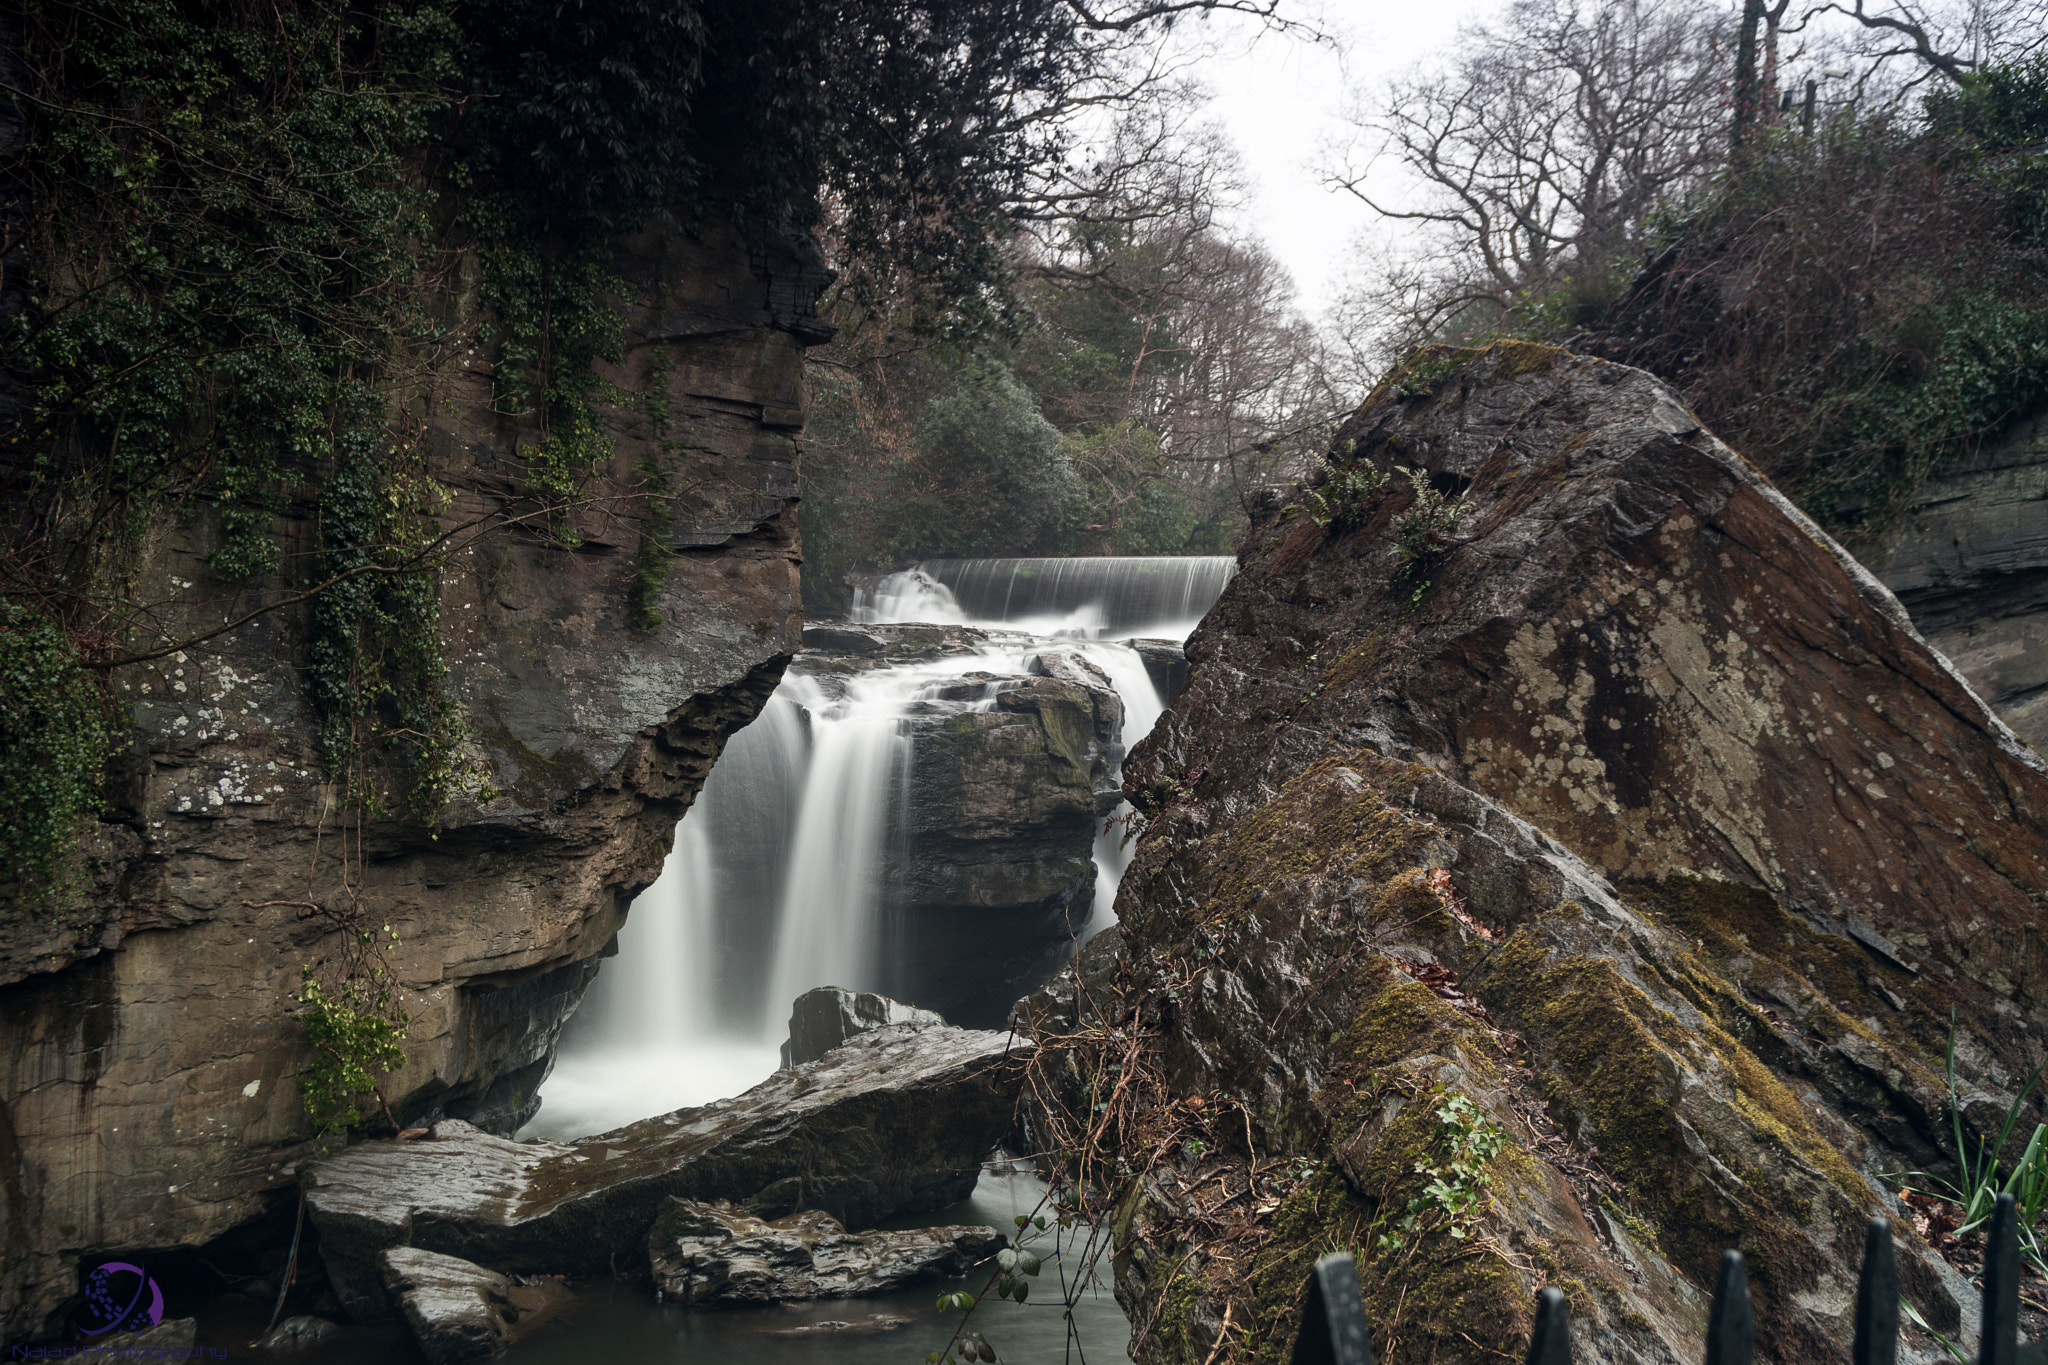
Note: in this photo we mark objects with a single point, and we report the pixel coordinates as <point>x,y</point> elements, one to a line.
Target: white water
<point>775,882</point>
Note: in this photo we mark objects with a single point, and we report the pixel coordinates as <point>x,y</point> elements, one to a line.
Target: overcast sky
<point>1281,102</point>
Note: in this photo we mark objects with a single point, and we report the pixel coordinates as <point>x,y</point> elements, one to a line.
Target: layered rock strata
<point>1970,562</point>
<point>895,1121</point>
<point>147,1089</point>
<point>1557,893</point>
<point>708,1255</point>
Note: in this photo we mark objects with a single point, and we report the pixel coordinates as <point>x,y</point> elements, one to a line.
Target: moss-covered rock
<point>1563,905</point>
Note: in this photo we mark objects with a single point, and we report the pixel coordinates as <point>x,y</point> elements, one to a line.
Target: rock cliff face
<point>1971,565</point>
<point>147,1093</point>
<point>1559,897</point>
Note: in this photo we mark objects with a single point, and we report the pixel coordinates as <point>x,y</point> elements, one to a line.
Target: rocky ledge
<point>895,1121</point>
<point>714,1254</point>
<point>1560,890</point>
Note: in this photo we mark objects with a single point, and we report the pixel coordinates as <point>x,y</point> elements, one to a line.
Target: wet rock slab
<point>456,1310</point>
<point>716,1254</point>
<point>896,1121</point>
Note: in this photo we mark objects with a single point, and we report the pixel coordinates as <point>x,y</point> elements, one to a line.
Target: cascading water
<point>776,882</point>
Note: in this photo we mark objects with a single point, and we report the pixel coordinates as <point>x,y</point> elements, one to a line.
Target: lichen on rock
<point>1633,830</point>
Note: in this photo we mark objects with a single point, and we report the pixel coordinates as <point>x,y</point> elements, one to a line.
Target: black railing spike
<point>1877,1300</point>
<point>1333,1330</point>
<point>1551,1342</point>
<point>1731,1329</point>
<point>1999,1341</point>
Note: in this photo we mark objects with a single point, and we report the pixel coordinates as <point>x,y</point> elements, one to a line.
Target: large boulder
<point>716,1255</point>
<point>1970,562</point>
<point>824,1017</point>
<point>457,1311</point>
<point>1557,893</point>
<point>895,1121</point>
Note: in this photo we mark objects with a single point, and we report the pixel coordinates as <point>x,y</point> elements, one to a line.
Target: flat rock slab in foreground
<point>1628,823</point>
<point>704,1254</point>
<point>896,1121</point>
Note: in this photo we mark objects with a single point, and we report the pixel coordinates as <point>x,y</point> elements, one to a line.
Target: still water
<point>622,1322</point>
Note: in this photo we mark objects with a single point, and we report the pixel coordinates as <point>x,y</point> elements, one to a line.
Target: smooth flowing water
<point>775,884</point>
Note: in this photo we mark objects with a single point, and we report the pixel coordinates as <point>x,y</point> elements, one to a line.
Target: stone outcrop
<point>714,1255</point>
<point>1012,768</point>
<point>457,1311</point>
<point>147,1092</point>
<point>895,1121</point>
<point>823,1018</point>
<point>1970,563</point>
<point>1626,824</point>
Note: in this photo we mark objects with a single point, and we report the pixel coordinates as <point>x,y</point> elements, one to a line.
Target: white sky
<point>1280,100</point>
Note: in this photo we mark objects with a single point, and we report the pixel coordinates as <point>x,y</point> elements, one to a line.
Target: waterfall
<point>776,880</point>
<point>1122,597</point>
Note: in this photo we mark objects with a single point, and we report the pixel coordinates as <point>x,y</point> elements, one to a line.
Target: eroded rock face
<point>823,1018</point>
<point>708,1255</point>
<point>1012,767</point>
<point>1631,824</point>
<point>895,1121</point>
<point>147,1092</point>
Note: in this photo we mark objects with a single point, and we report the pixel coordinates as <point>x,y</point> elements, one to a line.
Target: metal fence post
<point>1333,1330</point>
<point>1877,1300</point>
<point>1731,1329</point>
<point>1551,1342</point>
<point>1998,1343</point>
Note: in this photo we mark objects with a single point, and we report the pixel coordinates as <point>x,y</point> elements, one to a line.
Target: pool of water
<point>620,1320</point>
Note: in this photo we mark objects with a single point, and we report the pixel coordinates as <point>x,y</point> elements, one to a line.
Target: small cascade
<point>778,881</point>
<point>1116,598</point>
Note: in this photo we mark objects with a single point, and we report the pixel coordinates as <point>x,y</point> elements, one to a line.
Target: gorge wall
<point>147,1091</point>
<point>1970,562</point>
<point>1558,893</point>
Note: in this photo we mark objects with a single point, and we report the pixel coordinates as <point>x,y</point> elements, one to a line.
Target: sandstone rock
<point>1630,822</point>
<point>170,1339</point>
<point>895,1121</point>
<point>843,640</point>
<point>147,1082</point>
<point>848,1327</point>
<point>457,1311</point>
<point>823,1018</point>
<point>714,1254</point>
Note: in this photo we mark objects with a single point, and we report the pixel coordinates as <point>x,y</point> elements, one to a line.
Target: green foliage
<point>1016,1266</point>
<point>1424,529</point>
<point>357,1029</point>
<point>1457,1176</point>
<point>1339,494</point>
<point>56,733</point>
<point>1008,477</point>
<point>374,666</point>
<point>1982,1176</point>
<point>1858,309</point>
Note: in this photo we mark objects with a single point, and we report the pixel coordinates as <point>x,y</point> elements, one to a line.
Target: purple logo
<point>120,1295</point>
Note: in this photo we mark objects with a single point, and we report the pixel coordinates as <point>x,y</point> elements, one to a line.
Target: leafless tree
<point>1543,146</point>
